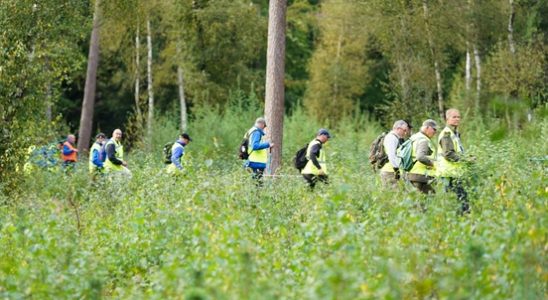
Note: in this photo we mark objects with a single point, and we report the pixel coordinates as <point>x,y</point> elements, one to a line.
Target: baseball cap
<point>101,135</point>
<point>324,131</point>
<point>430,123</point>
<point>186,136</point>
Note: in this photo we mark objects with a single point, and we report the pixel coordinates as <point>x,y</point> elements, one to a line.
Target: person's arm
<point>448,149</point>
<point>423,150</point>
<point>176,155</point>
<point>96,159</point>
<point>68,150</point>
<point>111,155</point>
<point>314,154</point>
<point>255,141</point>
<point>390,144</point>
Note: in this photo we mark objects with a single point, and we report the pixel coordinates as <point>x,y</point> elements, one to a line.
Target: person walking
<point>115,163</point>
<point>177,153</point>
<point>96,157</point>
<point>316,167</point>
<point>451,158</point>
<point>69,154</point>
<point>257,149</point>
<point>423,155</point>
<point>390,173</point>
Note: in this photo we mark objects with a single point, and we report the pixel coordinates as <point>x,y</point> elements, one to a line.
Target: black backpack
<point>300,160</point>
<point>167,152</point>
<point>244,146</point>
<point>377,156</point>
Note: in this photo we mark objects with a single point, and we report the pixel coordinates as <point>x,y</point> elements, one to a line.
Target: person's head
<point>323,135</point>
<point>401,128</point>
<point>452,117</point>
<point>117,134</point>
<point>429,128</point>
<point>185,138</point>
<point>100,137</point>
<point>71,138</point>
<point>260,123</point>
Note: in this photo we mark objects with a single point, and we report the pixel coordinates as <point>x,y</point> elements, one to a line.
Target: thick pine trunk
<point>86,118</point>
<point>137,72</point>
<point>275,69</point>
<point>150,91</point>
<point>180,83</point>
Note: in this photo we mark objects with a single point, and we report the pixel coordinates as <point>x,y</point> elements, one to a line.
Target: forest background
<point>381,60</point>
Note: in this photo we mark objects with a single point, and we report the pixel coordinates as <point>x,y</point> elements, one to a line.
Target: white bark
<point>137,71</point>
<point>477,58</point>
<point>180,83</point>
<point>468,70</point>
<point>511,18</point>
<point>149,77</point>
<point>275,69</point>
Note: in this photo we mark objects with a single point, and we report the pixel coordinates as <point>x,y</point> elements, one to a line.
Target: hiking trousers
<point>313,179</point>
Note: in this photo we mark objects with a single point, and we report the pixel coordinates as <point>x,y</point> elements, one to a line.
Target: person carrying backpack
<point>423,154</point>
<point>390,172</point>
<point>451,158</point>
<point>96,161</point>
<point>316,167</point>
<point>177,153</point>
<point>257,149</point>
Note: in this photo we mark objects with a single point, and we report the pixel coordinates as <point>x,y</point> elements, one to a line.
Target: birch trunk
<point>137,72</point>
<point>275,69</point>
<point>180,83</point>
<point>88,105</point>
<point>468,70</point>
<point>437,71</point>
<point>511,18</point>
<point>150,91</point>
<point>477,58</point>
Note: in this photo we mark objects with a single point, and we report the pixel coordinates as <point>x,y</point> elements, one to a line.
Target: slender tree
<point>275,69</point>
<point>150,90</point>
<point>86,118</point>
<point>137,72</point>
<point>180,83</point>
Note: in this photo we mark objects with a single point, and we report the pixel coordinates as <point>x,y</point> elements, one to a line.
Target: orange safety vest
<point>71,157</point>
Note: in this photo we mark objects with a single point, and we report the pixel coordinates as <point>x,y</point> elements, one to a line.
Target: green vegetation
<point>211,234</point>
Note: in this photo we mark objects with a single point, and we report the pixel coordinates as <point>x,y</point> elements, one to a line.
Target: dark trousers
<point>258,175</point>
<point>312,179</point>
<point>456,186</point>
<point>424,187</point>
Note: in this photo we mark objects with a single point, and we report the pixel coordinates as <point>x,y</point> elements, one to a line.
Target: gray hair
<point>429,123</point>
<point>399,124</point>
<point>260,120</point>
<point>450,111</point>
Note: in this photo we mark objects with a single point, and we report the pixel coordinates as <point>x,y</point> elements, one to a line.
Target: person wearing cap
<point>451,158</point>
<point>316,168</point>
<point>177,153</point>
<point>423,154</point>
<point>96,159</point>
<point>115,163</point>
<point>390,173</point>
<point>257,149</point>
<point>69,154</point>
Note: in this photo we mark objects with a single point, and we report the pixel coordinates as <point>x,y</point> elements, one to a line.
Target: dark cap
<point>324,131</point>
<point>101,135</point>
<point>186,136</point>
<point>430,123</point>
<point>408,123</point>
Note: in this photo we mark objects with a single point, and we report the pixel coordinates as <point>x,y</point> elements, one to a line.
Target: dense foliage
<point>211,234</point>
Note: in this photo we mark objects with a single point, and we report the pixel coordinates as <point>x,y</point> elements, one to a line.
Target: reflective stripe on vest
<point>447,168</point>
<point>118,153</point>
<point>258,156</point>
<point>95,147</point>
<point>420,168</point>
<point>310,168</point>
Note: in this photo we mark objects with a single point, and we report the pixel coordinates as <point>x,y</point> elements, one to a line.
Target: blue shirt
<point>97,157</point>
<point>176,154</point>
<point>255,144</point>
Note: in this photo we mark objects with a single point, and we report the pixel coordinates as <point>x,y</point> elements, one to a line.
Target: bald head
<point>452,117</point>
<point>117,134</point>
<point>71,138</point>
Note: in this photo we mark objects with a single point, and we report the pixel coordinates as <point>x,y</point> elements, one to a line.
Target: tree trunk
<point>477,58</point>
<point>86,118</point>
<point>150,92</point>
<point>437,71</point>
<point>468,70</point>
<point>511,18</point>
<point>275,69</point>
<point>180,82</point>
<point>137,72</point>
